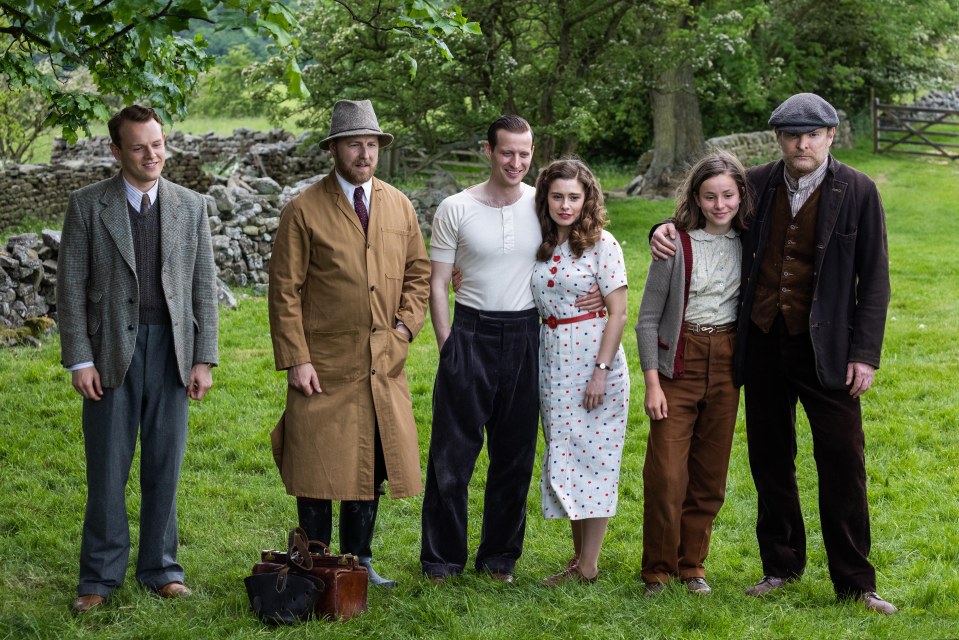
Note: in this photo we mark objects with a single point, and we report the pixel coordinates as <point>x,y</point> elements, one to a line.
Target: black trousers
<point>781,369</point>
<point>487,377</point>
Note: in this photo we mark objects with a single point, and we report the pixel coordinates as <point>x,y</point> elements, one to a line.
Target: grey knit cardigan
<point>659,329</point>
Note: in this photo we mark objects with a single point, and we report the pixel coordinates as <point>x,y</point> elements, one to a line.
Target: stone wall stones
<point>244,215</point>
<point>28,274</point>
<point>197,162</point>
<point>940,100</point>
<point>759,147</point>
<point>752,148</point>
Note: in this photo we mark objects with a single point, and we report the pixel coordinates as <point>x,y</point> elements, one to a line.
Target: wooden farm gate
<point>917,130</point>
<point>460,161</point>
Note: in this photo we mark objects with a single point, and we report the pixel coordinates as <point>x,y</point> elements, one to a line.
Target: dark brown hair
<point>586,231</point>
<point>512,123</point>
<point>133,113</point>
<point>688,214</point>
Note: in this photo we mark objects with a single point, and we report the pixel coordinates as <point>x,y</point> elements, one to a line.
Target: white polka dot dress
<point>583,450</point>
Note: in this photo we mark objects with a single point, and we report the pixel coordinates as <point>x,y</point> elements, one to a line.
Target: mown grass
<point>232,502</point>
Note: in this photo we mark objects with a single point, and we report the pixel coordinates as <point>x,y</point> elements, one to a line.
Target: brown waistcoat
<point>785,278</point>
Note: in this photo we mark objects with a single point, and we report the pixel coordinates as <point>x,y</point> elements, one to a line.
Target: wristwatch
<point>602,366</point>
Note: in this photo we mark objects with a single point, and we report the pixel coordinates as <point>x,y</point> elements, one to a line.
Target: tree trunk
<point>677,131</point>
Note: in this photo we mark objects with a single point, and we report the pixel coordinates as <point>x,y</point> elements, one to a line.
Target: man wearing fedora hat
<point>349,283</point>
<point>813,311</point>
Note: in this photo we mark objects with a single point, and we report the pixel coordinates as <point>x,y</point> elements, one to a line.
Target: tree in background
<point>550,60</point>
<point>225,91</point>
<point>22,115</point>
<point>134,49</point>
<point>843,49</point>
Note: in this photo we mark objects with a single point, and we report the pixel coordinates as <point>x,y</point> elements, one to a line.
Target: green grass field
<point>232,502</point>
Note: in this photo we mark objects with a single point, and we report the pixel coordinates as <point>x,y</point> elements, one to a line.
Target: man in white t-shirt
<point>488,372</point>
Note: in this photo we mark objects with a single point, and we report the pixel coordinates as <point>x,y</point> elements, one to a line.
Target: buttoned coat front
<point>851,271</point>
<point>335,296</point>
<point>97,288</point>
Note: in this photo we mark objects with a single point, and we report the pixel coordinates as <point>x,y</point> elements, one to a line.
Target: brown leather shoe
<point>174,590</point>
<point>506,578</point>
<point>872,602</point>
<point>653,589</point>
<point>767,585</point>
<point>86,602</point>
<point>569,574</point>
<point>699,586</point>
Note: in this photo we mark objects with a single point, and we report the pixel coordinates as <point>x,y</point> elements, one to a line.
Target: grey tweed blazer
<point>97,289</point>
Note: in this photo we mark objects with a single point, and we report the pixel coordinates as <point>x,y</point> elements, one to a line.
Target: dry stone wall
<point>752,148</point>
<point>244,214</point>
<point>758,147</point>
<point>197,162</point>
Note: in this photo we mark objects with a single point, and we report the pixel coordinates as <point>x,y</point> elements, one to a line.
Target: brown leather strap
<point>298,553</point>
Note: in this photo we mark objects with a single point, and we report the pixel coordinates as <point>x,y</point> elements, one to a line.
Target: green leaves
<point>131,48</point>
<point>295,86</point>
<point>431,22</point>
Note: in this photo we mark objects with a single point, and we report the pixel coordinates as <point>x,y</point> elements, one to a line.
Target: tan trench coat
<point>335,296</point>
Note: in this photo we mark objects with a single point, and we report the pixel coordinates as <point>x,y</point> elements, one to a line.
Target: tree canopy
<point>136,50</point>
<point>586,72</point>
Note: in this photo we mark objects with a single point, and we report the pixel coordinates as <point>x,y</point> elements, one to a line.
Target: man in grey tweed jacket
<point>137,307</point>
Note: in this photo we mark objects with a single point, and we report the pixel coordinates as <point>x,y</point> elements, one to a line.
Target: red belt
<point>553,321</point>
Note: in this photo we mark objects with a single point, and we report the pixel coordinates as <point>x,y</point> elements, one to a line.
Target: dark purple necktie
<point>361,211</point>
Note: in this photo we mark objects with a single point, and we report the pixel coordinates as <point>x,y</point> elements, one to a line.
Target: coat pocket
<point>94,311</point>
<point>335,355</point>
<point>399,350</point>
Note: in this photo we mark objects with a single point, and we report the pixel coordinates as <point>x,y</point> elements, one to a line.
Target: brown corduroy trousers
<point>687,457</point>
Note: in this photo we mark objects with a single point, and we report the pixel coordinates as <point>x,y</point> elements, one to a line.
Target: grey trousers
<point>153,401</point>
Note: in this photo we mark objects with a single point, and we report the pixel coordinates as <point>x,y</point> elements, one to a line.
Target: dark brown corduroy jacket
<point>851,277</point>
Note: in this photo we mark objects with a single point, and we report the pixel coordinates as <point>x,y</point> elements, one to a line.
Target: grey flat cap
<point>802,113</point>
<point>354,118</point>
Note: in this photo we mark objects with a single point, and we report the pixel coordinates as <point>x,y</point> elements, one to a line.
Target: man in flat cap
<point>814,296</point>
<point>349,284</point>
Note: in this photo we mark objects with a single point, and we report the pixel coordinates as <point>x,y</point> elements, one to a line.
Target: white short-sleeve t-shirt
<point>494,246</point>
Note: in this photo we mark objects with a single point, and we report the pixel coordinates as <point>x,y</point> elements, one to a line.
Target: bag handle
<point>298,550</point>
<point>318,547</point>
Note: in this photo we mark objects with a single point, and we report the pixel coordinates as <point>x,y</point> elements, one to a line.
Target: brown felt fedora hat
<point>354,118</point>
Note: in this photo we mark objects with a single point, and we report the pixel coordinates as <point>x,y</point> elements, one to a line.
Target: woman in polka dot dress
<point>583,379</point>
